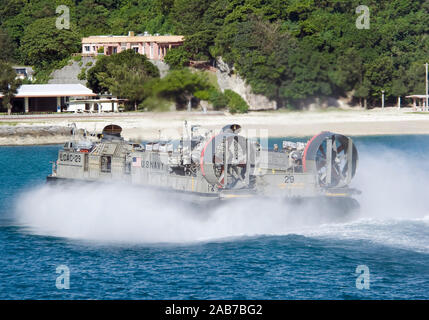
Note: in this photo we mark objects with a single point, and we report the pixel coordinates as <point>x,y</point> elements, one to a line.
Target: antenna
<point>427,88</point>
<point>185,125</point>
<point>74,128</point>
<point>95,130</point>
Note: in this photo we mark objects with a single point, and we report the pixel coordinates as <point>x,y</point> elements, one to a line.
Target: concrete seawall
<point>33,135</point>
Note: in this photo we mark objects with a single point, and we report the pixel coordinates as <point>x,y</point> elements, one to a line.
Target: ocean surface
<point>119,242</point>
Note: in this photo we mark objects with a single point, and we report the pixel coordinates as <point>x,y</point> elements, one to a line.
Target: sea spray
<point>393,195</point>
<point>394,206</point>
<point>393,183</point>
<point>119,212</point>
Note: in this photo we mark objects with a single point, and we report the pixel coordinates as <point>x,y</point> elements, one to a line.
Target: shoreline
<point>35,142</point>
<point>146,126</point>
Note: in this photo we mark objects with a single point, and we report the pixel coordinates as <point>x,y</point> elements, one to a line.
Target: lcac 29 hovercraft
<point>216,166</point>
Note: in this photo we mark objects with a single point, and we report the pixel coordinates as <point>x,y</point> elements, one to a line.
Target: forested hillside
<point>288,50</point>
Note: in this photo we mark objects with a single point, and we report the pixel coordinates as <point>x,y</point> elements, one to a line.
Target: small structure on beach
<point>47,97</point>
<point>94,105</point>
<point>419,102</point>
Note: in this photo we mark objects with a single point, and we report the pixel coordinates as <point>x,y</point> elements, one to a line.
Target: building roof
<point>118,39</point>
<point>96,101</point>
<point>417,96</point>
<point>28,69</point>
<point>53,90</point>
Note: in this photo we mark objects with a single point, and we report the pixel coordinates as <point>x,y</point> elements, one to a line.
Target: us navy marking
<point>152,165</point>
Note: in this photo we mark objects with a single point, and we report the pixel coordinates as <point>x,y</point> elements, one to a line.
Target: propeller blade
<point>322,151</point>
<point>341,148</point>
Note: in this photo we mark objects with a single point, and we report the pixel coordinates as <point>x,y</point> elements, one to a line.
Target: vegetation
<point>82,74</point>
<point>288,50</point>
<point>236,103</point>
<point>293,50</point>
<point>218,99</point>
<point>154,103</point>
<point>7,47</point>
<point>77,58</point>
<point>8,85</point>
<point>178,57</point>
<point>42,43</point>
<point>124,74</point>
<point>181,86</point>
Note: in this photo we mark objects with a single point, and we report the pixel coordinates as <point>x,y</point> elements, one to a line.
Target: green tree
<point>349,70</point>
<point>399,86</point>
<point>44,44</point>
<point>380,74</point>
<point>124,74</point>
<point>218,99</point>
<point>286,50</point>
<point>7,47</point>
<point>139,16</point>
<point>8,85</point>
<point>236,103</point>
<point>177,58</point>
<point>17,15</point>
<point>415,77</point>
<point>97,75</point>
<point>93,75</point>
<point>93,17</point>
<point>181,85</point>
<point>362,92</point>
<point>127,82</point>
<point>261,51</point>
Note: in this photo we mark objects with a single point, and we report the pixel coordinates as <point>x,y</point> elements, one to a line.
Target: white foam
<point>406,234</point>
<point>123,213</point>
<point>394,211</point>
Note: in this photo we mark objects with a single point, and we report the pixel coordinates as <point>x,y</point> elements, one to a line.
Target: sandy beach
<point>150,126</point>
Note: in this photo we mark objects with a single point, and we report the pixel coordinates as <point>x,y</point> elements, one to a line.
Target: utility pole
<point>382,99</point>
<point>427,88</point>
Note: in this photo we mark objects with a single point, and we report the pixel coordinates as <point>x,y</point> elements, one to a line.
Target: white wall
<point>105,107</point>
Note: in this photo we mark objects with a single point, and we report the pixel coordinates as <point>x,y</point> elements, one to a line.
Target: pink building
<point>155,47</point>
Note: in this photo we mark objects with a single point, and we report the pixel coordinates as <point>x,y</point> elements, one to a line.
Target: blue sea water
<point>121,244</point>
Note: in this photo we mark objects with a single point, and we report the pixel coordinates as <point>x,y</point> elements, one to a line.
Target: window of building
<point>106,164</point>
<point>21,71</point>
<point>85,162</point>
<point>127,168</point>
<point>136,49</point>
<point>87,48</point>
